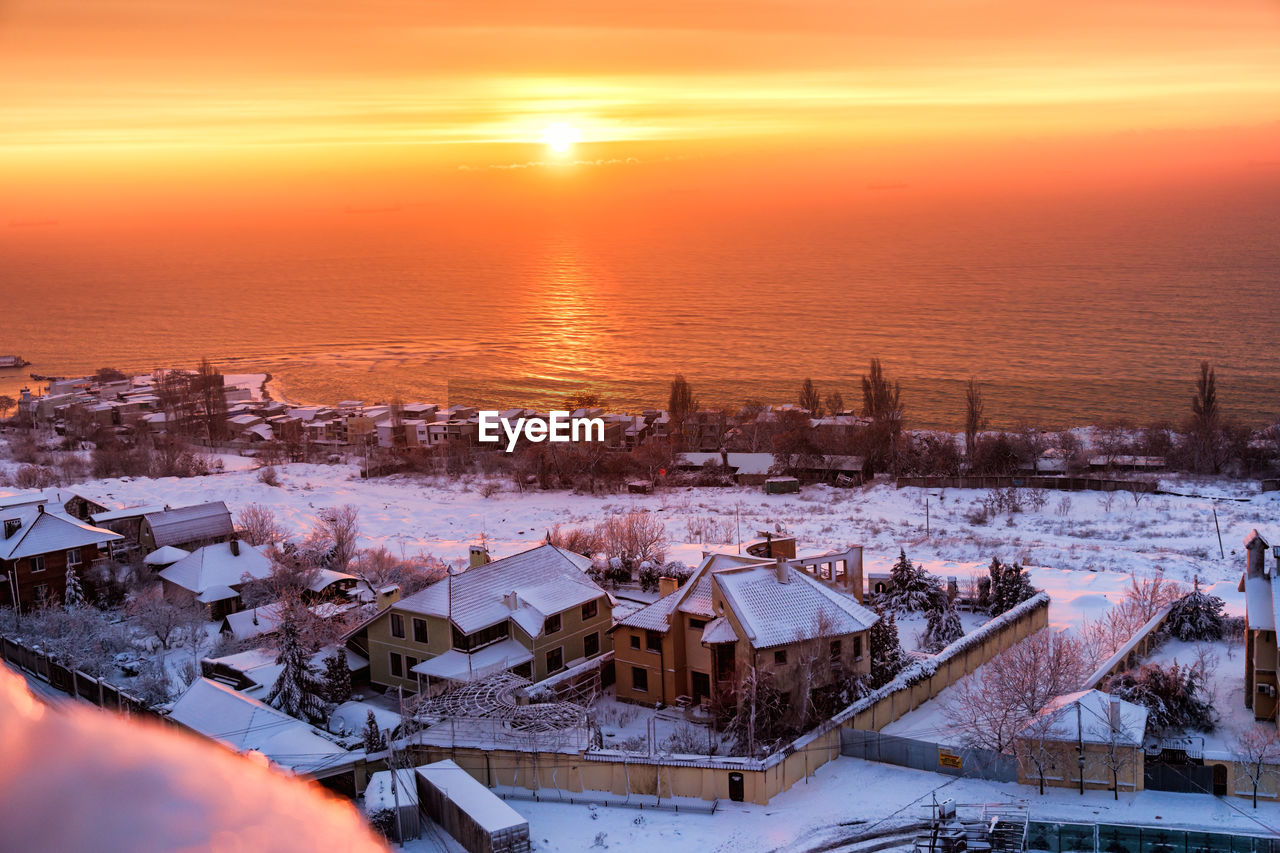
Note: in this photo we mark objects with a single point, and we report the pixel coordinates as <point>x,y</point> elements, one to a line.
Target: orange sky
<point>115,105</point>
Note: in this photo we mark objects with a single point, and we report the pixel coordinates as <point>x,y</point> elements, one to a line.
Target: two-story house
<point>39,545</point>
<point>1262,609</point>
<point>740,614</point>
<point>535,614</point>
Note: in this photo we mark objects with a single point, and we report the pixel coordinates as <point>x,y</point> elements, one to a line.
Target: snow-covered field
<point>1073,531</point>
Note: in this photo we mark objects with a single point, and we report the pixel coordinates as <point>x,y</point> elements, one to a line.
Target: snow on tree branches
<point>887,657</point>
<point>1010,586</point>
<point>1173,695</point>
<point>943,626</point>
<point>911,588</point>
<point>374,740</point>
<point>74,596</point>
<point>1196,616</point>
<point>296,691</point>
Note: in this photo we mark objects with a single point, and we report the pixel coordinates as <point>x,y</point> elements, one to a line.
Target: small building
<point>781,486</point>
<point>186,527</point>
<point>381,795</point>
<point>127,522</point>
<point>39,544</point>
<point>214,575</point>
<point>1262,609</point>
<point>1089,736</point>
<point>472,814</point>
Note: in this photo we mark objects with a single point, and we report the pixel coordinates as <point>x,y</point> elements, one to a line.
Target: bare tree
<point>167,621</point>
<point>680,404</point>
<point>636,535</point>
<point>974,409</point>
<point>258,525</point>
<point>1038,747</point>
<point>340,528</point>
<point>1206,423</point>
<point>209,389</point>
<point>1118,751</point>
<point>995,703</point>
<point>378,567</point>
<point>810,398</point>
<point>882,403</point>
<point>293,572</point>
<point>835,403</point>
<point>7,405</point>
<point>1257,754</point>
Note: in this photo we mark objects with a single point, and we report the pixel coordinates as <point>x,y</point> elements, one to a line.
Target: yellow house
<point>1088,739</point>
<point>535,614</point>
<point>736,615</point>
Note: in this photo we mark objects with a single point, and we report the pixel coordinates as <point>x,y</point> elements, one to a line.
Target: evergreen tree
<point>74,596</point>
<point>943,627</point>
<point>887,657</point>
<point>374,741</point>
<point>1173,695</point>
<point>337,678</point>
<point>296,691</point>
<point>1196,616</point>
<point>1010,586</point>
<point>911,588</point>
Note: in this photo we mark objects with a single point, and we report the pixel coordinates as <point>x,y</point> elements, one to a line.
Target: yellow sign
<point>946,759</point>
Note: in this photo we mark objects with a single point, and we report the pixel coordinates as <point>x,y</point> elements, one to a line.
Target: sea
<point>1068,311</point>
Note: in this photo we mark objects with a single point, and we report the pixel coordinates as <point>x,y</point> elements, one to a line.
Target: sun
<point>560,137</point>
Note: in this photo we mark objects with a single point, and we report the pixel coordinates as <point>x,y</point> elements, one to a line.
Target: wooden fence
<point>1066,484</point>
<point>72,682</point>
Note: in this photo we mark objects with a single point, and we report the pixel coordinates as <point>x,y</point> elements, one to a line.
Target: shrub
<point>1196,616</point>
<point>269,476</point>
<point>1173,696</point>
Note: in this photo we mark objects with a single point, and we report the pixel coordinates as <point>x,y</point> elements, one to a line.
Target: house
<point>1089,736</point>
<point>127,522</point>
<point>254,672</point>
<point>214,575</point>
<point>71,503</point>
<point>739,614</point>
<point>265,619</point>
<point>246,725</point>
<point>39,545</point>
<point>1262,609</point>
<point>186,527</point>
<point>534,613</point>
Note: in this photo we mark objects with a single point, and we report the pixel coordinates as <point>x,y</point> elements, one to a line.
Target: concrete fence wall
<point>72,682</point>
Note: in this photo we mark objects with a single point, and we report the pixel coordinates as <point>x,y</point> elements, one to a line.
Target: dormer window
<point>12,526</point>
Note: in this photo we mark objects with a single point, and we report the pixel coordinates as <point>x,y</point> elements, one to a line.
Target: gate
<point>1179,778</point>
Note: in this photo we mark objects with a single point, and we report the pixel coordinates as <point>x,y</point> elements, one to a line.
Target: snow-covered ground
<point>849,796</point>
<point>1072,531</point>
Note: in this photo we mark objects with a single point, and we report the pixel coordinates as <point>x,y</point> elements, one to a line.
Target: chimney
<point>512,600</point>
<point>479,556</point>
<point>1256,550</point>
<point>853,571</point>
<point>388,595</point>
<point>666,586</point>
<point>780,566</point>
<point>39,509</point>
<point>235,547</point>
<point>1115,713</point>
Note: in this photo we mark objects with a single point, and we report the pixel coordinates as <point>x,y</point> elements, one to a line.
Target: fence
<point>1128,655</point>
<point>1048,837</point>
<point>69,681</point>
<point>1066,484</point>
<point>924,755</point>
<point>1183,778</point>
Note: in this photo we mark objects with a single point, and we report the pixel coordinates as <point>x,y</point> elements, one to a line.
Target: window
<point>484,637</point>
<point>635,641</point>
<point>12,526</point>
<point>653,641</point>
<point>397,626</point>
<point>697,624</point>
<point>409,663</point>
<point>857,648</point>
<point>590,609</point>
<point>42,593</point>
<point>552,625</point>
<point>639,679</point>
<point>555,660</point>
<point>835,652</point>
<point>37,563</point>
<point>780,657</point>
<point>397,666</point>
<point>591,644</point>
<point>73,557</point>
<point>524,670</point>
<point>420,631</point>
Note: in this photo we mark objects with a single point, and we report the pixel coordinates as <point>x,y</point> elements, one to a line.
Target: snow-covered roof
<point>166,556</point>
<point>245,724</point>
<point>327,577</point>
<point>261,667</point>
<point>545,579</point>
<point>484,807</point>
<point>460,666</point>
<point>216,566</point>
<point>698,601</point>
<point>1259,603</point>
<point>719,630</point>
<point>773,613</point>
<point>1061,721</point>
<point>127,512</point>
<point>378,795</point>
<point>256,621</point>
<point>43,531</point>
<point>190,523</point>
<point>216,593</point>
<point>656,616</point>
<point>741,463</point>
<point>350,717</point>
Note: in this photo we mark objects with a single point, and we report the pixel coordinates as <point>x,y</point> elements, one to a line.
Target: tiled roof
<point>44,532</point>
<point>719,630</point>
<point>655,617</point>
<point>774,613</point>
<point>698,601</point>
<point>545,579</point>
<point>190,524</point>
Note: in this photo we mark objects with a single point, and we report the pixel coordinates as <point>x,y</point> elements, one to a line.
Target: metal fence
<point>1182,778</point>
<point>1068,484</point>
<point>1049,837</point>
<point>925,755</point>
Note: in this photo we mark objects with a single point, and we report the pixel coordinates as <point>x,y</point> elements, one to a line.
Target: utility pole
<point>1080,745</point>
<point>1221,553</point>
